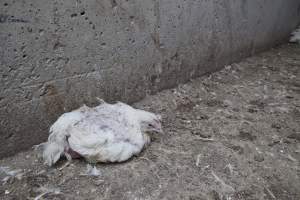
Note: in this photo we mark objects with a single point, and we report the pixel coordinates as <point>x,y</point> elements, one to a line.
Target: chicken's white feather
<point>106,133</point>
<point>295,36</point>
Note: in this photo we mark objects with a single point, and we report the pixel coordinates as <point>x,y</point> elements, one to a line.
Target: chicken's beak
<point>159,130</point>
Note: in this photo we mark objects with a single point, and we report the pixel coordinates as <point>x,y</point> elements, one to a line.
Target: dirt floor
<point>234,134</point>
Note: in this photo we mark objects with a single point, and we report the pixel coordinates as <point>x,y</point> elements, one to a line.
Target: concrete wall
<point>59,54</point>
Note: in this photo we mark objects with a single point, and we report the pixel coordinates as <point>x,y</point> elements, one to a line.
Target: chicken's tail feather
<point>55,147</point>
<point>57,144</point>
<point>53,151</point>
<point>49,151</point>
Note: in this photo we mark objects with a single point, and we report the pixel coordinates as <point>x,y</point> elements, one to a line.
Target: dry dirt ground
<point>234,134</point>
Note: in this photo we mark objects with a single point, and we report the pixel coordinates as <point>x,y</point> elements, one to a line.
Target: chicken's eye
<point>150,125</point>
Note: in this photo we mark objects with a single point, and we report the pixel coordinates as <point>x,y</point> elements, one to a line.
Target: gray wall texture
<point>58,54</point>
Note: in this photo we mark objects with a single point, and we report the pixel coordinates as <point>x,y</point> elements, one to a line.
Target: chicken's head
<point>150,122</point>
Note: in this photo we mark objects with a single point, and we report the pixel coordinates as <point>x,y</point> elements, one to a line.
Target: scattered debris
<point>276,125</point>
<point>202,134</point>
<point>65,165</point>
<point>291,158</point>
<point>41,172</point>
<point>98,182</point>
<point>275,140</point>
<point>8,173</point>
<point>198,160</point>
<point>46,190</point>
<point>269,192</point>
<point>205,167</point>
<point>228,67</point>
<point>224,187</point>
<point>214,195</point>
<point>229,169</point>
<point>205,139</point>
<point>295,136</point>
<point>259,157</point>
<point>246,132</point>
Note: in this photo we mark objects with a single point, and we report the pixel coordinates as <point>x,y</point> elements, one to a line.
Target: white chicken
<point>295,36</point>
<point>106,133</point>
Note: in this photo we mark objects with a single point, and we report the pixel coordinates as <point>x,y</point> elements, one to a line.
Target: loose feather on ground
<point>295,36</point>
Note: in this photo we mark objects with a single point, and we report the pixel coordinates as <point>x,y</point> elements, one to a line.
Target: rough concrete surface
<point>230,135</point>
<point>56,55</point>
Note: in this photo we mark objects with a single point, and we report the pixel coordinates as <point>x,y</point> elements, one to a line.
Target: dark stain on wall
<point>11,19</point>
